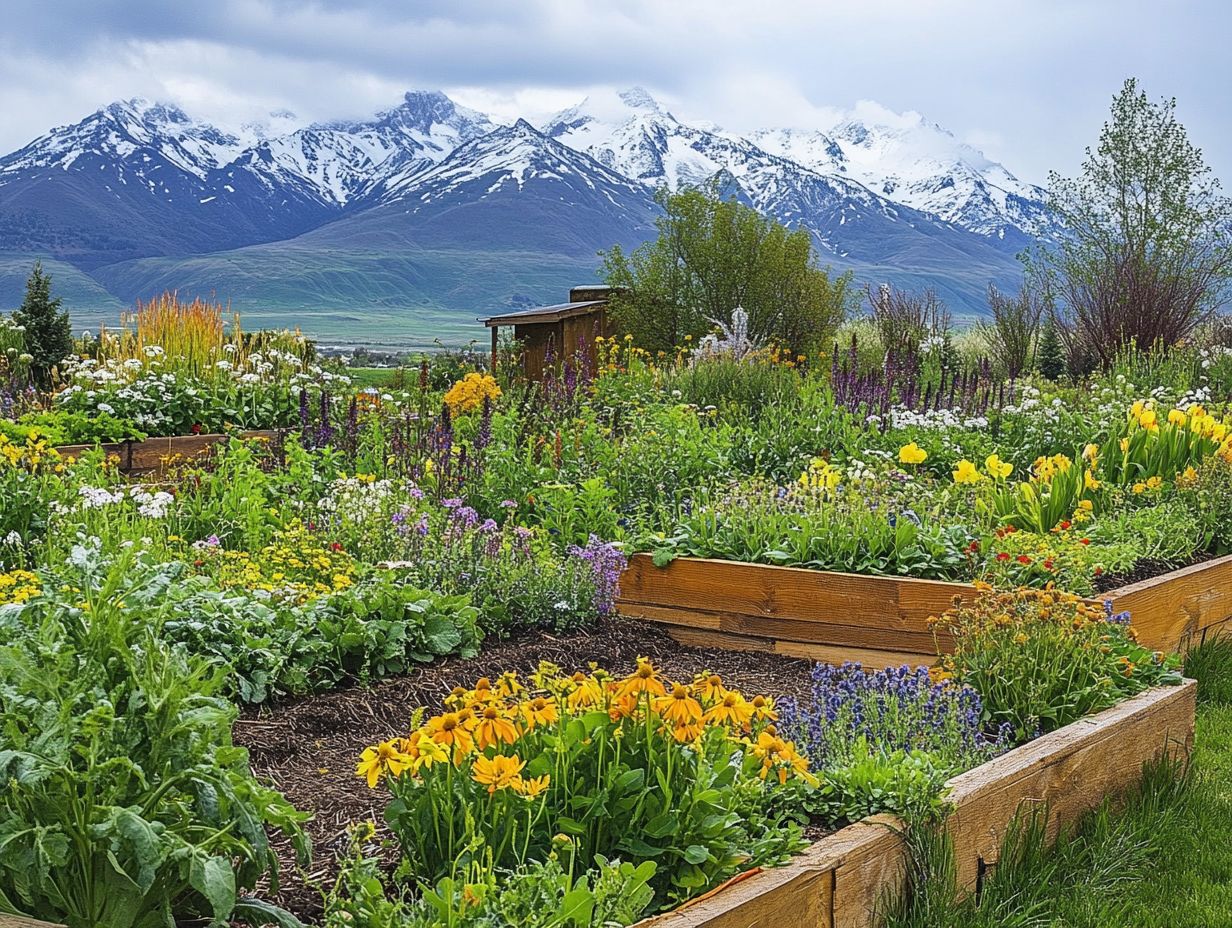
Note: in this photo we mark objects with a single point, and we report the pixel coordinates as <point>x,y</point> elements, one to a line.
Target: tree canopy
<point>1146,250</point>
<point>713,255</point>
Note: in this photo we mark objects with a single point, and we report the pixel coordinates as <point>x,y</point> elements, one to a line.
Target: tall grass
<point>191,338</point>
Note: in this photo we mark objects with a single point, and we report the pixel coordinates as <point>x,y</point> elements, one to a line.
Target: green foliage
<point>715,254</point>
<point>60,427</point>
<point>540,894</point>
<point>823,529</point>
<point>126,802</point>
<point>1041,659</point>
<point>376,629</point>
<point>1051,353</point>
<point>1210,663</point>
<point>48,333</point>
<point>1147,253</point>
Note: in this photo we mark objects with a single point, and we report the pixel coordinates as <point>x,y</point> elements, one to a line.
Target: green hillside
<point>402,299</point>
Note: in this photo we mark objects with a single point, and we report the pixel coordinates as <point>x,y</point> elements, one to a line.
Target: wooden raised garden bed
<point>879,621</point>
<point>842,880</point>
<point>153,454</point>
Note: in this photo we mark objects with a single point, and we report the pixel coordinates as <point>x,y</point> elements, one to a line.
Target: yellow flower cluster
<point>18,586</point>
<point>468,394</point>
<point>966,472</point>
<point>31,456</point>
<point>1021,615</point>
<point>821,475</point>
<point>297,566</point>
<point>479,725</point>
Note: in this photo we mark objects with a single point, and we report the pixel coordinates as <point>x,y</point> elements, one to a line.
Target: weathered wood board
<point>880,621</point>
<point>845,879</point>
<point>153,454</point>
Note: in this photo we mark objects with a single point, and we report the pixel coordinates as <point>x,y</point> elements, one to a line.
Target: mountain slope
<point>142,197</point>
<point>513,189</point>
<point>853,226</point>
<point>918,164</point>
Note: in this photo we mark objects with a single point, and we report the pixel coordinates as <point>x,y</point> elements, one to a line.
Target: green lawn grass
<point>1162,860</point>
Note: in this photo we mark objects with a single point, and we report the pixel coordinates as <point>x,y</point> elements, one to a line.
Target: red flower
<point>1099,571</point>
<point>1065,524</point>
<point>198,563</point>
<point>1084,541</point>
<point>1003,556</point>
<point>196,428</point>
<point>1023,559</point>
<point>1010,530</point>
<point>973,547</point>
<point>1048,564</point>
<point>335,546</point>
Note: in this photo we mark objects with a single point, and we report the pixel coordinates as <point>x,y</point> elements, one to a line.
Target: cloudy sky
<point>1027,81</point>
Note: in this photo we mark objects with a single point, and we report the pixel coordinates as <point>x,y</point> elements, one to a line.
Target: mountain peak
<point>421,110</point>
<point>639,98</point>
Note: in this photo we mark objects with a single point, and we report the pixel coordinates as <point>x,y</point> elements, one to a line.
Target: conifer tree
<point>48,336</point>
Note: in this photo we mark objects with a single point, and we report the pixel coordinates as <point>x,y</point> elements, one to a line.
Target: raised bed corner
<point>845,879</point>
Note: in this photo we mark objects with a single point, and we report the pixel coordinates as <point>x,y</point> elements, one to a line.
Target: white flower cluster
<point>900,417</point>
<point>357,500</point>
<point>151,504</point>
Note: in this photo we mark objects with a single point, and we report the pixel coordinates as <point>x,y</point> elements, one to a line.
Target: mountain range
<point>406,226</point>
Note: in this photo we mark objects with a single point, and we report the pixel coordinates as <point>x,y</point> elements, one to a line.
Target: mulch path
<point>307,748</point>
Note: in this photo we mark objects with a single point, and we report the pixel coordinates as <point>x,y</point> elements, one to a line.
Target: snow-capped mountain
<point>346,162</point>
<point>513,188</point>
<point>133,140</point>
<point>919,164</point>
<point>803,184</point>
<point>141,191</point>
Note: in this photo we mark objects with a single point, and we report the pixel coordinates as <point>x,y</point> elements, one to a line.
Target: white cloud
<point>1030,80</point>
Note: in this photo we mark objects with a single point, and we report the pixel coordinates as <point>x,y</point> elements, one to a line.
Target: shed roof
<point>543,314</point>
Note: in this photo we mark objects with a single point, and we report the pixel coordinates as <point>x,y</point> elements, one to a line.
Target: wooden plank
<point>895,603</point>
<point>20,921</point>
<point>869,658</point>
<point>790,895</point>
<point>1070,770</point>
<point>787,629</point>
<point>706,638</point>
<point>871,876</point>
<point>1172,610</point>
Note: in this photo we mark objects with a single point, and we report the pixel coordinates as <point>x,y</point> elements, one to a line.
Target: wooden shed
<point>566,327</point>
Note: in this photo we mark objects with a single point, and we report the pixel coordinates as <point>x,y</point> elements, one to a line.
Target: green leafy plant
<point>126,803</point>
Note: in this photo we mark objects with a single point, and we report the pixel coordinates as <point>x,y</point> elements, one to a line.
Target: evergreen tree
<point>1051,353</point>
<point>49,337</point>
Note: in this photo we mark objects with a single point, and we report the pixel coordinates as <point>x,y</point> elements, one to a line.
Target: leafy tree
<point>1146,250</point>
<point>49,337</point>
<point>713,255</point>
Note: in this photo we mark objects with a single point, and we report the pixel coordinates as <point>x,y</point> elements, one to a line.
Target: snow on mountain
<point>511,189</point>
<point>136,137</point>
<point>632,133</point>
<point>917,163</point>
<point>342,162</point>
